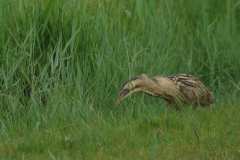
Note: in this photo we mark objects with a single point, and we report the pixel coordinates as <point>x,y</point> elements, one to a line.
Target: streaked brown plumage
<point>177,90</point>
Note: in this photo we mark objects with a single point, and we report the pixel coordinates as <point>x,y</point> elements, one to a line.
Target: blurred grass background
<point>62,64</point>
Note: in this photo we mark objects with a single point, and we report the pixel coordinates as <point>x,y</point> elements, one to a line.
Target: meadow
<point>63,63</point>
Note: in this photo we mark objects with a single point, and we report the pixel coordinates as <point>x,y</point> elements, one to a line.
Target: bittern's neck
<point>158,86</point>
<point>138,84</point>
<point>143,85</point>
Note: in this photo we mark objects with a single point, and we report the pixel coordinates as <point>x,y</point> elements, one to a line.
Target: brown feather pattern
<point>177,90</point>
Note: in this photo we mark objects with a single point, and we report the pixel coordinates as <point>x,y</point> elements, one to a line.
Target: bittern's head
<point>130,87</point>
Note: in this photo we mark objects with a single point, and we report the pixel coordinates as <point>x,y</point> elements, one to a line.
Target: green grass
<point>62,64</point>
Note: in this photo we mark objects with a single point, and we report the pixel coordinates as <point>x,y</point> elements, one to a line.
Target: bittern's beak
<point>123,94</point>
<point>117,103</point>
<point>130,87</point>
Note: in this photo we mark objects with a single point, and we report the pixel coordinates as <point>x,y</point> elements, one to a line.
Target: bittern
<point>177,90</point>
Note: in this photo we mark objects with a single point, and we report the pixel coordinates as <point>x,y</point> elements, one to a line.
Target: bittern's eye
<point>124,92</point>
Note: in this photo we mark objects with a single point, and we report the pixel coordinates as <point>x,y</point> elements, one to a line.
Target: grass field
<point>62,64</point>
